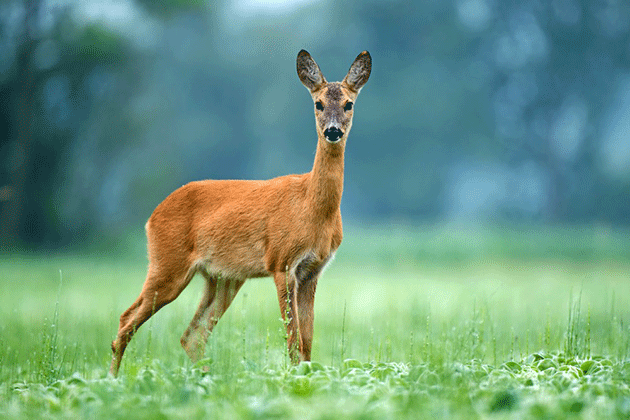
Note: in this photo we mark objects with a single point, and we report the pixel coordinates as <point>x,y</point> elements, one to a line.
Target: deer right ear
<point>309,72</point>
<point>359,72</point>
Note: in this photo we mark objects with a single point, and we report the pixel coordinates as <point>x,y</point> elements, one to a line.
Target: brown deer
<point>232,230</point>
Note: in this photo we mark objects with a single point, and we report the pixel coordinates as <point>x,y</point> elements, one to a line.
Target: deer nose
<point>333,134</point>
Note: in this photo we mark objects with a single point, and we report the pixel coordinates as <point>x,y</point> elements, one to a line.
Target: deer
<point>229,231</point>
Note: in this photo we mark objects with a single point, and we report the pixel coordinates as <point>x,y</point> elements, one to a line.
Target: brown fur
<point>229,231</point>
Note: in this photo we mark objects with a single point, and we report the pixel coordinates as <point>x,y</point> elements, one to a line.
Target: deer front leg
<point>307,272</point>
<point>297,298</point>
<point>285,286</point>
<point>306,314</point>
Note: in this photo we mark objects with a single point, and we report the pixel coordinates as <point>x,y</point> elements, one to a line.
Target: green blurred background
<point>478,112</point>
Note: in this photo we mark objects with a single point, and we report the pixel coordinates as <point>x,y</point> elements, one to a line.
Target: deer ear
<point>359,72</point>
<point>309,72</point>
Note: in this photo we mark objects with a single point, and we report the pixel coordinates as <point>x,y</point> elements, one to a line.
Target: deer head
<point>334,101</point>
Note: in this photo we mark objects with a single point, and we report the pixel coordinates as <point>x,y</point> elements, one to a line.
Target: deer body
<point>229,231</point>
<point>239,229</point>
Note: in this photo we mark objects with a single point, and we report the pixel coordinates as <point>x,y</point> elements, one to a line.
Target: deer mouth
<point>333,134</point>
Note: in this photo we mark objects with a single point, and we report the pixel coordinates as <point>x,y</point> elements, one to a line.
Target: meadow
<point>410,322</point>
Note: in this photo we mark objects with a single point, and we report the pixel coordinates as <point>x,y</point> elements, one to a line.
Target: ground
<point>409,323</point>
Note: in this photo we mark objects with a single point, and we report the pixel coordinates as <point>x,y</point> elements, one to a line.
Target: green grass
<point>409,323</point>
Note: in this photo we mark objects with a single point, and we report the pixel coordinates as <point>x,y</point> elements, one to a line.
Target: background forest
<point>485,111</point>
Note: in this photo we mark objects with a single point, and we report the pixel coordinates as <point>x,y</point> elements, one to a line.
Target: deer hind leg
<point>196,335</point>
<point>160,288</point>
<point>217,297</point>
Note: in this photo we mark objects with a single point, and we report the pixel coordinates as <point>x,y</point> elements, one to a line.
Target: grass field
<point>441,322</point>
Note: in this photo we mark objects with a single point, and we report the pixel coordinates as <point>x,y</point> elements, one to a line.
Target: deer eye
<point>319,105</point>
<point>347,106</point>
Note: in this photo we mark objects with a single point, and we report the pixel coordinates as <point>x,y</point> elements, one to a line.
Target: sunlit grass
<point>466,331</point>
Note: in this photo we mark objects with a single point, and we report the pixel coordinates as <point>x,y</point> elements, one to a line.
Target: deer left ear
<point>359,72</point>
<point>309,72</point>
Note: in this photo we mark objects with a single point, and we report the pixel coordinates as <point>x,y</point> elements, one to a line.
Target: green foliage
<point>485,338</point>
<point>529,388</point>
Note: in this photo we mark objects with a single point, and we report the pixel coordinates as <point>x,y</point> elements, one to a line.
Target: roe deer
<point>233,230</point>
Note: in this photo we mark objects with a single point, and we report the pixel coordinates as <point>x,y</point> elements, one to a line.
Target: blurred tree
<point>511,95</point>
<point>554,66</point>
<point>496,110</point>
<point>46,92</point>
<point>18,96</point>
<point>165,9</point>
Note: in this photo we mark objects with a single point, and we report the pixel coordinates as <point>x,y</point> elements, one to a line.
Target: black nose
<point>333,134</point>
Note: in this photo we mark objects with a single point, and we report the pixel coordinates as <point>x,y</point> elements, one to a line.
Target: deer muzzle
<point>333,134</point>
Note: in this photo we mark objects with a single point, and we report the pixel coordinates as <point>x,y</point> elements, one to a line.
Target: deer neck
<point>326,184</point>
